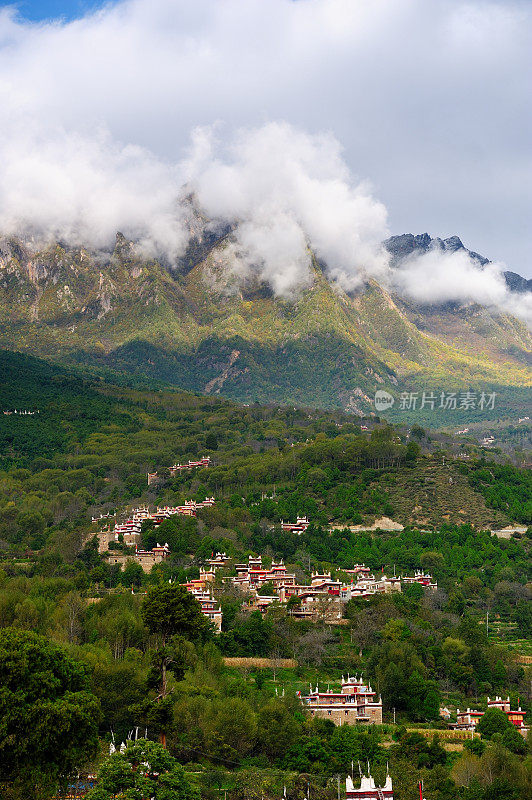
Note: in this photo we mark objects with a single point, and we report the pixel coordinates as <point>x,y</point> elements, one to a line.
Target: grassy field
<point>504,634</point>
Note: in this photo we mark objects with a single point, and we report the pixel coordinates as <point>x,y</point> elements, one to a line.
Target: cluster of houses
<point>210,607</point>
<point>468,719</point>
<point>129,531</point>
<point>110,514</point>
<point>299,526</point>
<point>153,477</point>
<point>324,597</point>
<point>423,578</point>
<point>146,558</point>
<point>201,588</point>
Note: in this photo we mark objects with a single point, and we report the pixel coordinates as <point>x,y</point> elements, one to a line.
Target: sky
<point>418,112</point>
<point>38,10</point>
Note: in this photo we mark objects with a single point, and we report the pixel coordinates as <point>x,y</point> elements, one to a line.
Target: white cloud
<point>440,277</point>
<point>289,192</point>
<point>83,189</point>
<point>429,100</point>
<point>286,190</point>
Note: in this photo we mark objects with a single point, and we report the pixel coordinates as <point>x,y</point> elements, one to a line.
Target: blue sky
<point>51,9</point>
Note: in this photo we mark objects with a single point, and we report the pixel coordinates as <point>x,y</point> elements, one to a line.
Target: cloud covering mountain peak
<point>108,121</point>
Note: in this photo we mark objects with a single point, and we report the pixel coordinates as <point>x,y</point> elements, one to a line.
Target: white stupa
<point>368,790</point>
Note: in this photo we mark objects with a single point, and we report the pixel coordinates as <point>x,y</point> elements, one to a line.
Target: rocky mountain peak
<point>407,244</point>
<point>123,247</point>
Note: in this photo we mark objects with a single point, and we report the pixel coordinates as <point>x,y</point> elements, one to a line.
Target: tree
<point>312,645</point>
<point>267,589</point>
<point>432,561</point>
<point>493,721</point>
<point>398,669</point>
<point>499,675</point>
<point>431,703</point>
<point>211,441</point>
<point>349,743</point>
<point>414,591</point>
<point>414,748</point>
<point>232,728</point>
<point>89,556</point>
<point>416,688</point>
<point>144,769</point>
<point>48,717</point>
<point>439,785</point>
<point>115,619</point>
<point>132,574</point>
<point>413,452</point>
<point>171,610</point>
<point>522,616</point>
<point>417,432</point>
<point>294,602</point>
<point>513,741</point>
<point>70,615</point>
<point>173,614</point>
<point>456,604</point>
<point>475,746</point>
<point>119,686</point>
<point>180,533</point>
<point>250,636</point>
<point>467,770</point>
<point>278,727</point>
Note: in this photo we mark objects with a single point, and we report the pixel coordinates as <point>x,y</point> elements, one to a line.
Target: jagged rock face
<point>12,249</point>
<point>322,347</point>
<point>408,244</point>
<point>62,285</point>
<point>517,283</point>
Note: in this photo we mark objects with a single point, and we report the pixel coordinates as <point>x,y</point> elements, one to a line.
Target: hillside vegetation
<point>90,447</point>
<point>88,451</point>
<point>117,313</point>
<point>243,730</point>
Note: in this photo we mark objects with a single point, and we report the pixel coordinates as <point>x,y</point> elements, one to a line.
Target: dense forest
<point>242,730</point>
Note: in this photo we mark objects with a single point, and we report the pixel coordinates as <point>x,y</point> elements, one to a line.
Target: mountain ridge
<point>408,244</point>
<point>206,333</point>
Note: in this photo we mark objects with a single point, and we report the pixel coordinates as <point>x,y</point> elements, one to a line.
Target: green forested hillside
<point>91,445</point>
<point>66,409</point>
<point>505,489</point>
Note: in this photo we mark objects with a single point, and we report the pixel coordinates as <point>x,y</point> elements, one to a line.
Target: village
<point>21,412</point>
<point>324,598</point>
<point>468,719</point>
<point>261,583</point>
<point>264,583</point>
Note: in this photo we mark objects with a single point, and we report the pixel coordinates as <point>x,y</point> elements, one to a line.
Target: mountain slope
<point>197,329</point>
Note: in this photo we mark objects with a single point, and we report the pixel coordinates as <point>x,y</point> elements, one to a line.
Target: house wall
<point>348,714</point>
